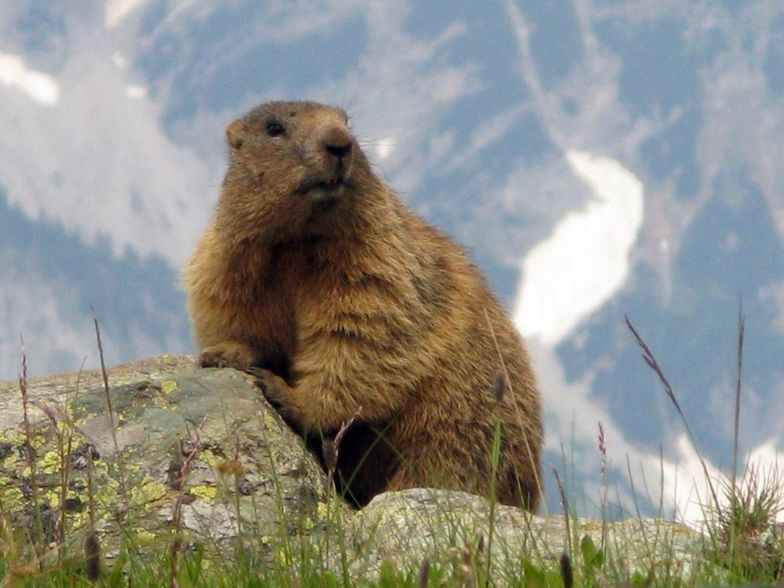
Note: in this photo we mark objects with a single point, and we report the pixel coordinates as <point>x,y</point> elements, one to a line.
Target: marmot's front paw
<point>227,354</point>
<point>266,381</point>
<point>275,390</point>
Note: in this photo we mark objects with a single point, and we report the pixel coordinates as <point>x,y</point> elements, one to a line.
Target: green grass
<point>741,545</point>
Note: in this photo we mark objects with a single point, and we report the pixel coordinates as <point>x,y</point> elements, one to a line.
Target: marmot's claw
<point>208,359</point>
<point>227,354</point>
<point>255,371</point>
<point>264,380</point>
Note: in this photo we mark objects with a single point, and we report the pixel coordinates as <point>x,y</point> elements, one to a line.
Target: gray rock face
<point>199,441</point>
<point>199,451</point>
<point>448,527</point>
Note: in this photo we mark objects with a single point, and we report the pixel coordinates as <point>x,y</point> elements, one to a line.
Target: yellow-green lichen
<point>10,436</point>
<point>168,386</point>
<point>11,499</point>
<point>37,441</point>
<point>131,469</point>
<point>144,537</point>
<point>78,519</point>
<point>50,463</point>
<point>148,491</point>
<point>308,523</point>
<point>106,491</point>
<point>205,492</point>
<point>322,510</point>
<point>212,460</point>
<point>269,421</point>
<point>53,497</point>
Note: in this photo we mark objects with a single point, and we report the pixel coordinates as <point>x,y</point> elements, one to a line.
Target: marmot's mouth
<point>325,187</point>
<point>331,183</point>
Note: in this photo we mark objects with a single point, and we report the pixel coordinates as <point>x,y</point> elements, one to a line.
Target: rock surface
<point>249,470</point>
<point>200,451</point>
<point>448,527</point>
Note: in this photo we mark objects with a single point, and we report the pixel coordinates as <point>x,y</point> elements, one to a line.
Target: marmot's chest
<point>293,284</point>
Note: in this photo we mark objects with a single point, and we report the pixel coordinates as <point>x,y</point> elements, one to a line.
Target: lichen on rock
<point>166,413</point>
<point>198,454</point>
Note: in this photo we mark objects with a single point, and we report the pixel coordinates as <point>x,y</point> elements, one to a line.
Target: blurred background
<point>598,159</point>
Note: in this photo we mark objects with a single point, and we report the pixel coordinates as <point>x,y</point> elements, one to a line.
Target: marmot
<point>317,277</point>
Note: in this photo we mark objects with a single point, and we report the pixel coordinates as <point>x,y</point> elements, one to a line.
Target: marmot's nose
<point>337,142</point>
<point>339,150</point>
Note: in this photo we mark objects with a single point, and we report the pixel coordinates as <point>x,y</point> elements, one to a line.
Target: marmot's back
<point>318,278</point>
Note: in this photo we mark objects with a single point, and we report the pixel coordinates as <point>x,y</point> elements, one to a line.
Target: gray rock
<point>450,528</point>
<point>163,409</point>
<point>250,478</point>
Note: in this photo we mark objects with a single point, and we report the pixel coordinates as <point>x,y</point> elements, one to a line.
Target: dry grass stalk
<point>649,359</point>
<point>38,530</point>
<point>565,507</point>
<point>92,544</point>
<point>182,475</point>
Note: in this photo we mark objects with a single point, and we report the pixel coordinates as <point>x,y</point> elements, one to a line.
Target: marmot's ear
<point>235,133</point>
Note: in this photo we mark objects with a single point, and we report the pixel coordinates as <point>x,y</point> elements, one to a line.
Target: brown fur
<point>348,303</point>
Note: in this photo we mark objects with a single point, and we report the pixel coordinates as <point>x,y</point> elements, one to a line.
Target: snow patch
<point>39,86</point>
<point>586,260</point>
<point>103,150</point>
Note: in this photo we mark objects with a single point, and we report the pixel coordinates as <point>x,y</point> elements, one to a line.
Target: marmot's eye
<point>275,129</point>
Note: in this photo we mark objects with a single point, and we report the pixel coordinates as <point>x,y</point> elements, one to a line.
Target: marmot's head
<point>293,166</point>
